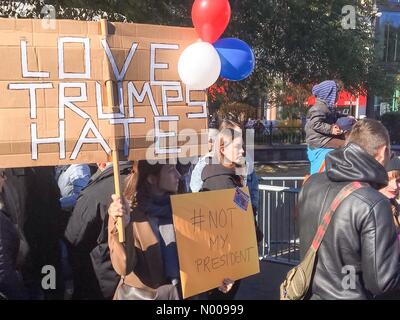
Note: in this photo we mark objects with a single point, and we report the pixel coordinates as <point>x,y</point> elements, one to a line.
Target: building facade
<point>387,34</point>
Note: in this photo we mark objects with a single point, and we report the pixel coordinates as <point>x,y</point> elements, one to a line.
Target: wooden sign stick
<point>110,100</point>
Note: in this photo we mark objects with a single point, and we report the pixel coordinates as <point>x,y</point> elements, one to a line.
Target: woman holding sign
<point>148,262</point>
<point>225,171</point>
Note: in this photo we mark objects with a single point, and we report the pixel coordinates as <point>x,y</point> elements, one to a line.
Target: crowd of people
<point>358,257</point>
<point>66,217</point>
<point>69,222</point>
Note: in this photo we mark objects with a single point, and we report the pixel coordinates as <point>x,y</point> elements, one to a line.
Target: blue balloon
<point>237,58</point>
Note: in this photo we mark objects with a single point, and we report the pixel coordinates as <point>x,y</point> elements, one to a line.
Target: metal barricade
<point>292,182</point>
<point>277,219</point>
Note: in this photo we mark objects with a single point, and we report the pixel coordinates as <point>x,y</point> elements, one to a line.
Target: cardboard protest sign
<point>215,238</point>
<point>54,107</point>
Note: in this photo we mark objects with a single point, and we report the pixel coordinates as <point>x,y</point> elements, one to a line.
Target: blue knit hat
<point>326,91</point>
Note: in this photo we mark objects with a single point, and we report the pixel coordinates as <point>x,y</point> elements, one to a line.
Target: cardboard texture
<point>54,103</point>
<point>215,238</point>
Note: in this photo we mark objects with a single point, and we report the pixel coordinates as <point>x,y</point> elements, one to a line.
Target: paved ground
<point>265,285</point>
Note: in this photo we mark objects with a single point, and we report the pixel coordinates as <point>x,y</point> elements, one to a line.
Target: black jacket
<point>361,238</point>
<point>11,286</point>
<point>31,197</point>
<point>217,177</point>
<point>86,234</point>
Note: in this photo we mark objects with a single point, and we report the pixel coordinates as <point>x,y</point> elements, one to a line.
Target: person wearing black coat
<point>31,203</point>
<point>223,172</point>
<point>11,284</point>
<point>359,256</point>
<point>86,235</point>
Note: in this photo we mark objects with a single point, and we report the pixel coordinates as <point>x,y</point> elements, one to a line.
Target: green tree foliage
<point>296,42</point>
<point>303,42</point>
<point>292,98</point>
<point>240,111</point>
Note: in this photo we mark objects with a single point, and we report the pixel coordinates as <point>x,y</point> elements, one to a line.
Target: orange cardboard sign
<point>215,238</point>
<point>54,106</point>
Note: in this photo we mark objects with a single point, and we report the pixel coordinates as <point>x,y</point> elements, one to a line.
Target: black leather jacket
<point>359,255</point>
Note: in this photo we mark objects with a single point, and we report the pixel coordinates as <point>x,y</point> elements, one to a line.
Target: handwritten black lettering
<point>212,217</point>
<point>222,219</point>
<point>232,259</point>
<point>206,262</point>
<point>231,212</point>
<point>218,242</point>
<point>197,220</point>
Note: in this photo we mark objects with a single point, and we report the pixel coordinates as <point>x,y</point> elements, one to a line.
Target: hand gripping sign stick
<point>110,103</point>
<point>120,225</point>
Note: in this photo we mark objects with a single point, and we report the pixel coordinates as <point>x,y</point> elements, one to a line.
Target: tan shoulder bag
<point>298,279</point>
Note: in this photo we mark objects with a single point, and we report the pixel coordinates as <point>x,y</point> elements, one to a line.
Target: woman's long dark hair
<point>136,183</point>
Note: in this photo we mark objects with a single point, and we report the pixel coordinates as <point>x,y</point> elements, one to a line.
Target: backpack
<point>298,280</point>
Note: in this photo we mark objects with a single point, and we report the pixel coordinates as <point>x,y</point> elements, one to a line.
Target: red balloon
<point>210,18</point>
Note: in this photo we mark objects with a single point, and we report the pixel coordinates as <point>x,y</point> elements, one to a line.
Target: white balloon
<point>199,66</point>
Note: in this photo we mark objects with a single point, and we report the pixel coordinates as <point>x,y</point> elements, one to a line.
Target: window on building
<point>392,44</point>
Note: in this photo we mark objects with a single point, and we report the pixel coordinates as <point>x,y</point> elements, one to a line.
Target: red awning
<point>345,99</point>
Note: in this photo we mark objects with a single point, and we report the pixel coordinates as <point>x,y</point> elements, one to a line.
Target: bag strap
<point>322,168</point>
<point>343,194</point>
